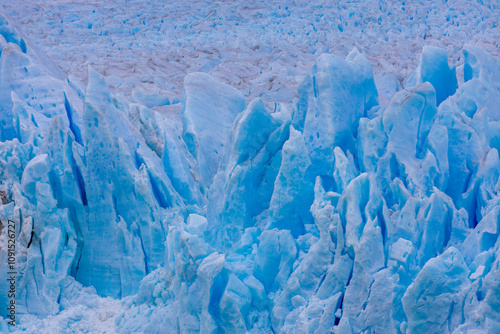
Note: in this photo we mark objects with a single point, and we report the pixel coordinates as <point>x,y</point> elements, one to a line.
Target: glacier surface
<point>338,215</point>
<point>262,48</point>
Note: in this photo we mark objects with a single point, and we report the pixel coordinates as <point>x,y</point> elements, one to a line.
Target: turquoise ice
<point>340,216</point>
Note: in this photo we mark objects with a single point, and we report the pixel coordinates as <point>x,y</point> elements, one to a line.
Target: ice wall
<point>342,216</point>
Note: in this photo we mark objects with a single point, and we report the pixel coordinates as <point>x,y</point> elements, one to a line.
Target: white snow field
<point>250,167</point>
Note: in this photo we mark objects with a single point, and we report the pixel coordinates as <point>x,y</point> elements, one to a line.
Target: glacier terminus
<point>358,206</point>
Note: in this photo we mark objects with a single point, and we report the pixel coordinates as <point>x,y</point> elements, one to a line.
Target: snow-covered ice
<point>305,168</point>
<point>262,48</point>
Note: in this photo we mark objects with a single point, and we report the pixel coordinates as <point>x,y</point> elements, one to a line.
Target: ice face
<point>333,97</point>
<point>337,216</point>
<point>208,111</point>
<point>433,68</point>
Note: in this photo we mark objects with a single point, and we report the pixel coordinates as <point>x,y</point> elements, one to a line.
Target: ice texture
<point>208,111</point>
<point>339,215</point>
<point>261,48</point>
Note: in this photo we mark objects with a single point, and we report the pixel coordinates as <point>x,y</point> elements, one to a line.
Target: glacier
<point>341,214</point>
<point>263,49</point>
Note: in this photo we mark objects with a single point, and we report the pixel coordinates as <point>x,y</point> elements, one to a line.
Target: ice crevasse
<point>340,216</point>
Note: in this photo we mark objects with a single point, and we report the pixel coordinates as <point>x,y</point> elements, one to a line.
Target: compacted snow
<point>250,168</point>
